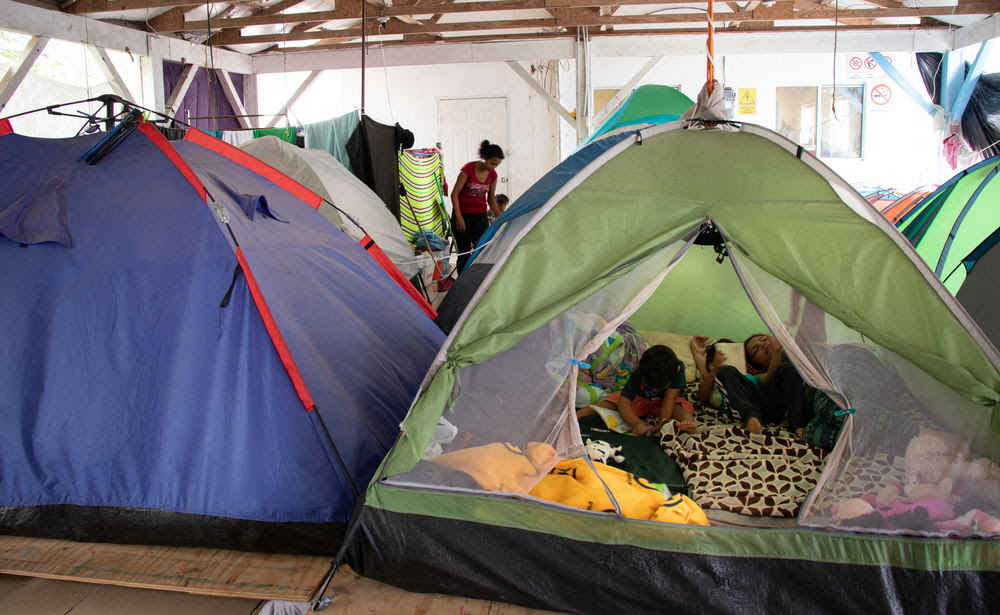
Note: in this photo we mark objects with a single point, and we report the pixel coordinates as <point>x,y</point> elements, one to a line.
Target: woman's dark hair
<point>657,366</point>
<point>489,150</point>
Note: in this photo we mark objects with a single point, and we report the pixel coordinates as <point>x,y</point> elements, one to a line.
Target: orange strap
<point>710,72</point>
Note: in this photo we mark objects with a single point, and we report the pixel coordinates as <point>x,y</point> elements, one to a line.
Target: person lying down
<point>774,393</point>
<point>652,393</point>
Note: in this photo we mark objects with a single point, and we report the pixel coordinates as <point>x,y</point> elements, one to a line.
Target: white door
<point>463,123</point>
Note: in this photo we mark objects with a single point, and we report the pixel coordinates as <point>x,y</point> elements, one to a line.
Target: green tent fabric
<point>805,257</point>
<point>648,104</point>
<point>954,229</point>
<point>423,208</point>
<point>950,223</point>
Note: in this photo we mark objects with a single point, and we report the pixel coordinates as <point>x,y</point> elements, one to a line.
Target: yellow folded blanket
<point>572,482</point>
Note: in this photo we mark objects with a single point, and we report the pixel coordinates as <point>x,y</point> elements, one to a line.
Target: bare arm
<point>492,200</point>
<point>699,350</point>
<point>774,363</point>
<point>669,401</point>
<point>456,209</point>
<point>639,427</point>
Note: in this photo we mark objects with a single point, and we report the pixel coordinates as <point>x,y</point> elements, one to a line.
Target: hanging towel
<point>423,209</point>
<point>237,138</point>
<point>332,136</point>
<point>289,133</point>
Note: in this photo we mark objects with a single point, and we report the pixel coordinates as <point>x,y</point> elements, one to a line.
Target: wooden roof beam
<point>352,10</point>
<point>775,13</point>
<point>81,7</point>
<point>807,5</point>
<point>536,36</point>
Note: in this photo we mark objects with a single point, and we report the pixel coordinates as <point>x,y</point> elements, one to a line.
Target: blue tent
<point>195,355</point>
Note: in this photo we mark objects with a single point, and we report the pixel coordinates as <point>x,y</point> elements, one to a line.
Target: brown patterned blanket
<point>727,468</point>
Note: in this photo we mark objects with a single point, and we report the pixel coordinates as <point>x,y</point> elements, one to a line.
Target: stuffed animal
<point>601,451</point>
<point>937,465</point>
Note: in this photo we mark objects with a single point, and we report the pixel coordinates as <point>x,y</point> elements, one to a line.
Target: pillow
<point>680,344</point>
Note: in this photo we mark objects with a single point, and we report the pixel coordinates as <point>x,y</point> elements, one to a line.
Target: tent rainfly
<point>195,355</point>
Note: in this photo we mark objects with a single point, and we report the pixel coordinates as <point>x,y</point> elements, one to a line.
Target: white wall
<point>409,95</point>
<point>901,148</point>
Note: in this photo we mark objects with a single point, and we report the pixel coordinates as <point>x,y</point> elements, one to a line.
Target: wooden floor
<point>351,594</point>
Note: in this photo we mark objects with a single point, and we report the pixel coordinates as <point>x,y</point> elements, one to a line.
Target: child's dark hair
<point>502,198</point>
<point>489,150</point>
<point>657,366</point>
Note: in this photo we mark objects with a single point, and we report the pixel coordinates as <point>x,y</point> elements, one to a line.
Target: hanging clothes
<point>235,138</point>
<point>172,134</point>
<point>373,151</point>
<point>424,208</point>
<point>332,136</point>
<point>289,133</point>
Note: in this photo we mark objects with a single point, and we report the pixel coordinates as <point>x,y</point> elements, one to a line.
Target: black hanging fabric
<point>981,120</point>
<point>372,150</point>
<point>929,64</point>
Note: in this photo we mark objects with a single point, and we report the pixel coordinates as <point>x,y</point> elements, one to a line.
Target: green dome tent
<point>954,229</point>
<point>648,104</point>
<point>807,258</point>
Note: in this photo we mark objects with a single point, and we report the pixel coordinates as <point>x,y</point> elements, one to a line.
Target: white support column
<point>294,97</point>
<point>251,99</point>
<point>180,89</point>
<point>229,89</point>
<point>20,68</point>
<point>552,102</point>
<point>111,73</point>
<point>153,94</point>
<point>625,89</point>
<point>582,85</point>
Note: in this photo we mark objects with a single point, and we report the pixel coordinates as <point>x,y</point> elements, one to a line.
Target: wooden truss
<point>417,21</point>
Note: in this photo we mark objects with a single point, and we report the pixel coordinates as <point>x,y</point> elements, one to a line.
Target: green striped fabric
<point>423,207</point>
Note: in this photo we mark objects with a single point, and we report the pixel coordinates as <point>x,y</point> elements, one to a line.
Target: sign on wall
<point>746,98</point>
<point>863,67</point>
<point>880,94</point>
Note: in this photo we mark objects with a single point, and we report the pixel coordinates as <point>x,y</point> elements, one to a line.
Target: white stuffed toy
<point>601,451</point>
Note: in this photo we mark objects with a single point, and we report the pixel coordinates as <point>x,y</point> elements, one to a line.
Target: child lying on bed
<point>653,389</point>
<point>775,393</point>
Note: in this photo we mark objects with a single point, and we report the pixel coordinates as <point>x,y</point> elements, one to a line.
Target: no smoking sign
<point>881,94</point>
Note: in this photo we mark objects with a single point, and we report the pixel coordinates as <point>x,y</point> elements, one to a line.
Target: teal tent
<point>648,104</point>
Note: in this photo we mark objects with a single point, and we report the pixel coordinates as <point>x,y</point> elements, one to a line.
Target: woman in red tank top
<point>473,195</point>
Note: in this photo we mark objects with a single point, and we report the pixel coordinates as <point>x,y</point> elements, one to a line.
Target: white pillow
<point>680,344</point>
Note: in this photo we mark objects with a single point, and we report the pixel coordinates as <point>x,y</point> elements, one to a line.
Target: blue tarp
<point>125,384</point>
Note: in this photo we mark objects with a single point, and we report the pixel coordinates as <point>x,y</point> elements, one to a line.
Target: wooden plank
<point>778,12</point>
<point>210,572</point>
<point>352,594</point>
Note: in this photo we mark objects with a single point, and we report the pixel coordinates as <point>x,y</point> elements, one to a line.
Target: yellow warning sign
<point>746,98</point>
